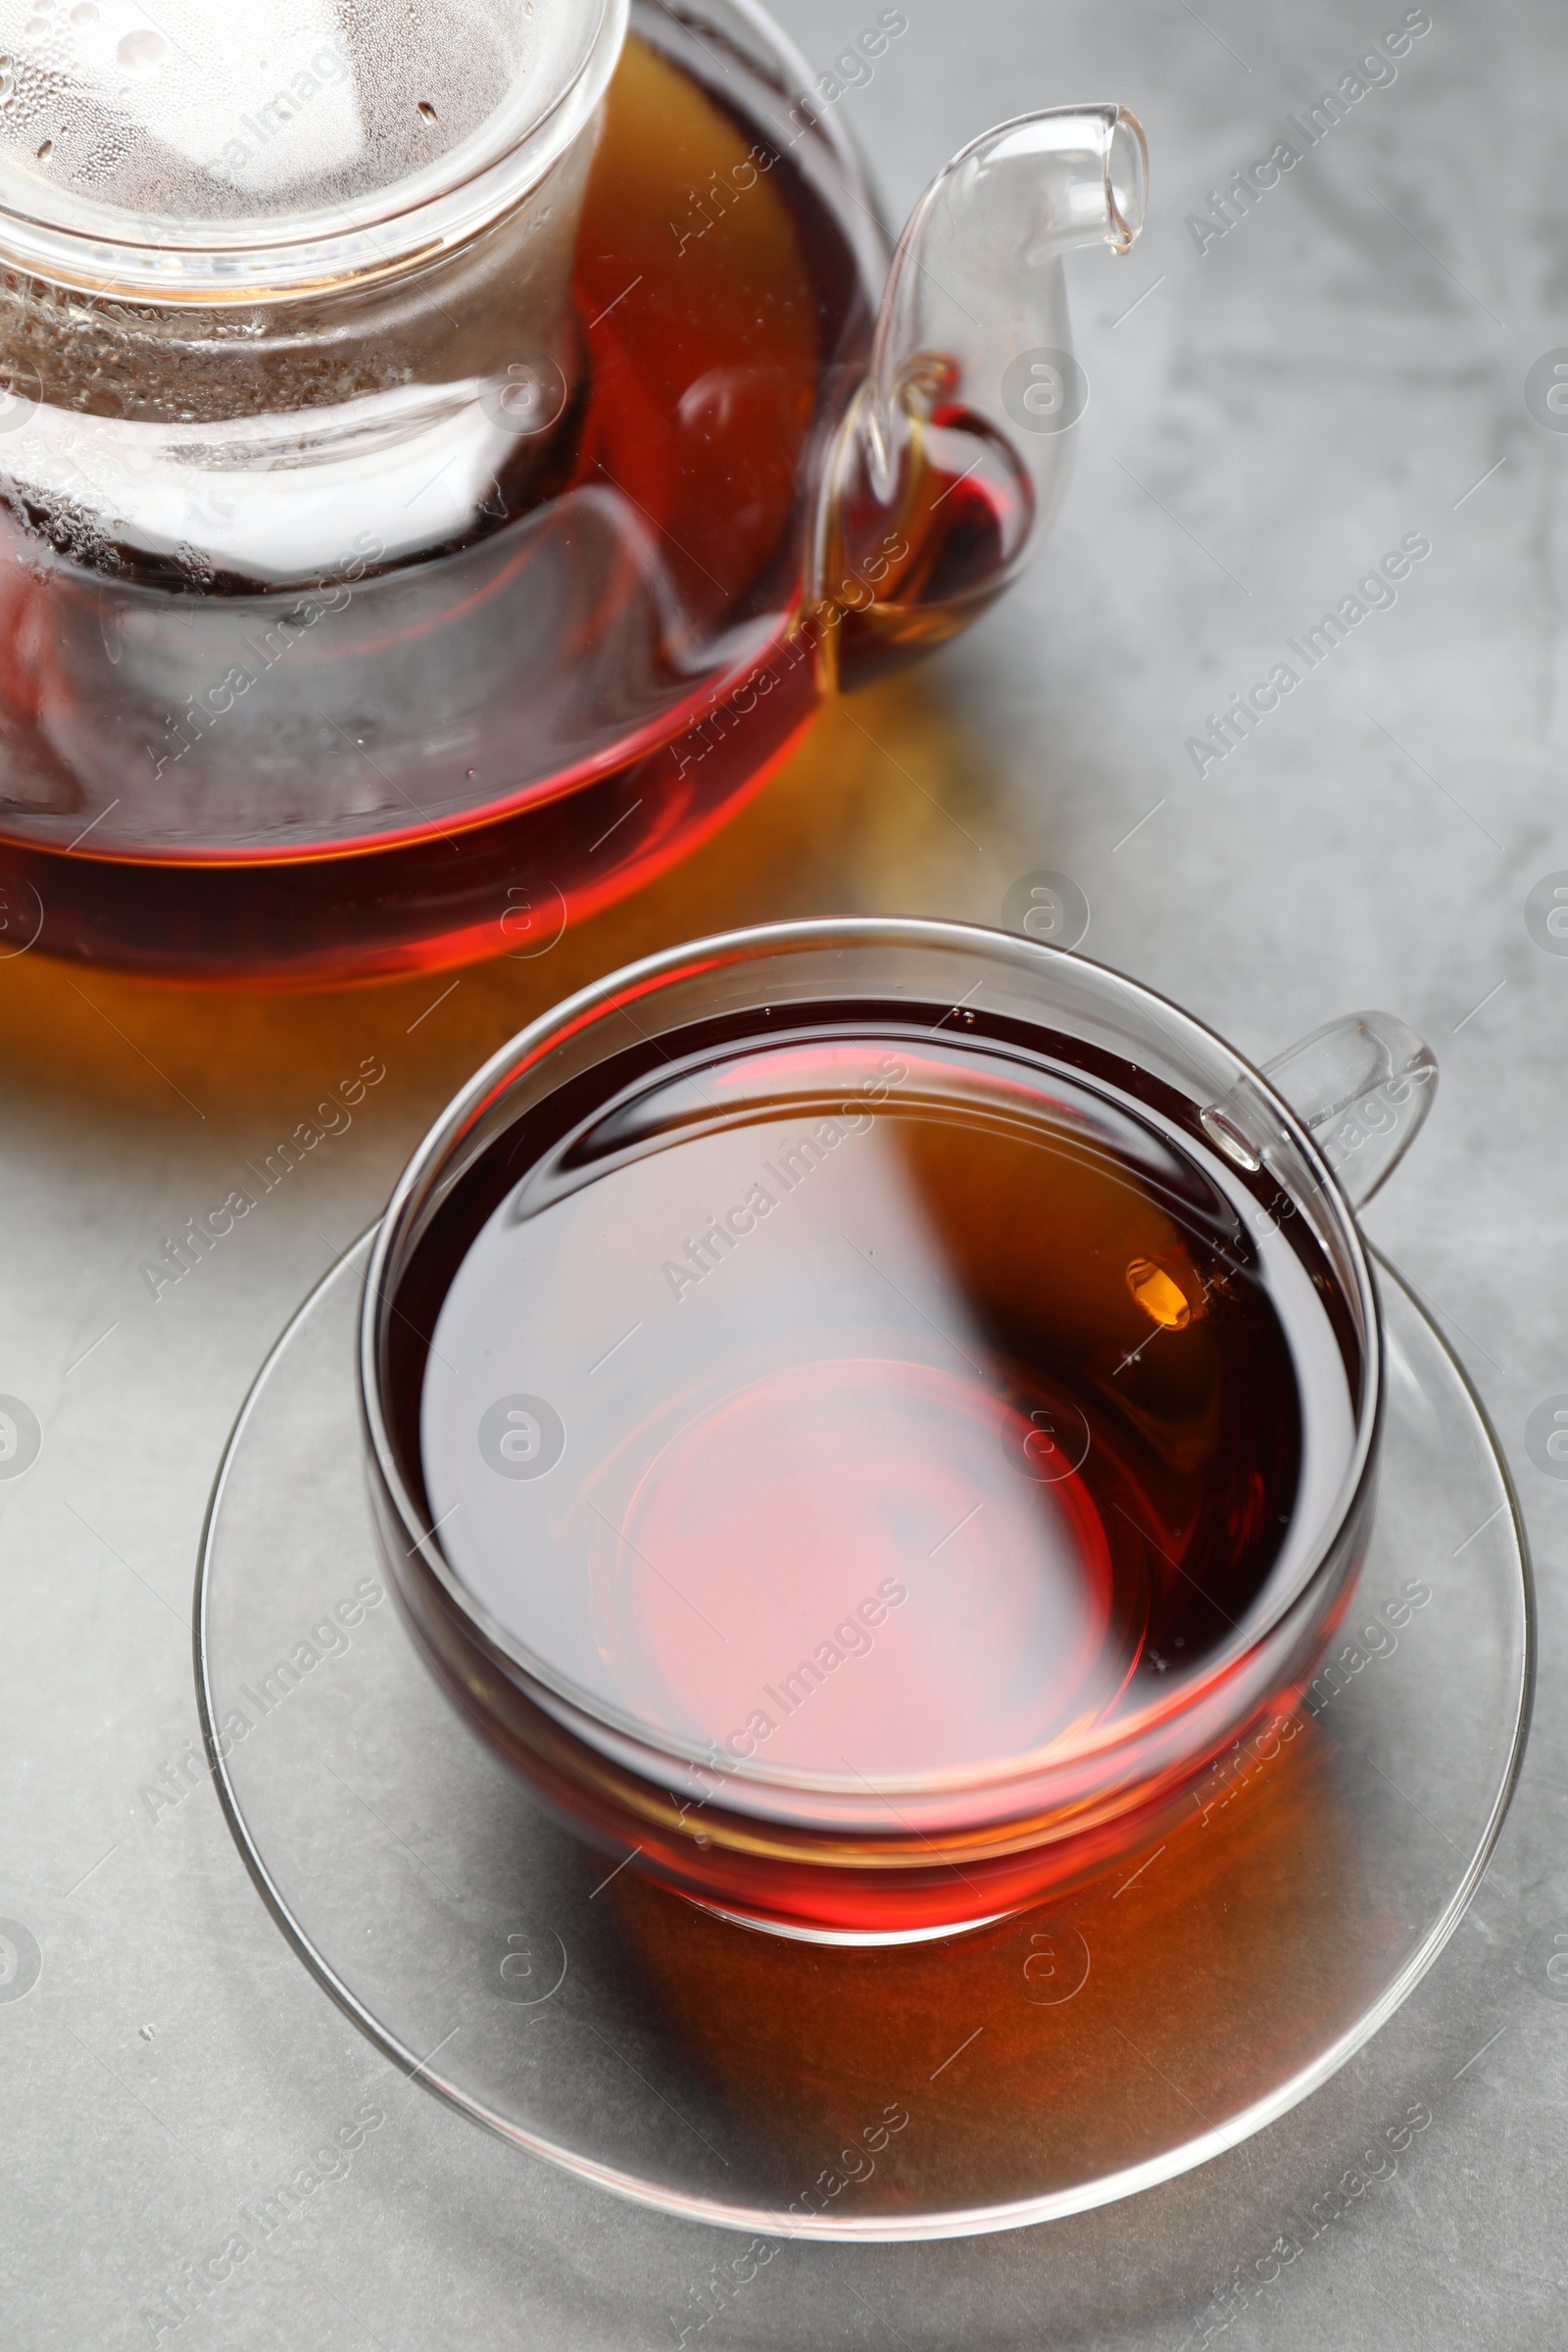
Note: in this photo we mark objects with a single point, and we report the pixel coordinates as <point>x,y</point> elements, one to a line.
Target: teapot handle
<point>1362,1087</point>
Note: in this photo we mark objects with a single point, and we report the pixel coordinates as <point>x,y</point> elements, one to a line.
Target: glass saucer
<point>1056,2060</point>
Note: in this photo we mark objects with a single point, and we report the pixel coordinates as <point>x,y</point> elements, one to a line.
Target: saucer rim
<point>887,2229</point>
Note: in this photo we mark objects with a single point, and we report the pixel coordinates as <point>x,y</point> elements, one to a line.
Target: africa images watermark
<point>211,704</point>
<point>199,1237</point>
<point>809,635</point>
<point>331,1637</point>
<point>1241,1764</point>
<point>272,121</point>
<point>194,2283</point>
<point>852,1639</point>
<point>1374,71</point>
<point>706,1253</point>
<point>852,68</point>
<point>1375,591</point>
<point>1231,2299</point>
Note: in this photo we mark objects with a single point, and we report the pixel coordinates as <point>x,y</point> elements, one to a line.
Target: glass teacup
<point>860,1413</point>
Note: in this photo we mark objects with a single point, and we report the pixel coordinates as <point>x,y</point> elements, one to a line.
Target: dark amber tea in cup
<point>872,1402</point>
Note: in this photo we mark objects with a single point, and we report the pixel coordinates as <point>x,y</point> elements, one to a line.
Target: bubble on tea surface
<point>199,114</point>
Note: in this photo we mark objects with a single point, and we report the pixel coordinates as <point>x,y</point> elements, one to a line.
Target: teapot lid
<point>201,152</point>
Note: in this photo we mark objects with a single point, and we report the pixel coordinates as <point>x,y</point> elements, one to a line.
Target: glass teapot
<point>446,456</point>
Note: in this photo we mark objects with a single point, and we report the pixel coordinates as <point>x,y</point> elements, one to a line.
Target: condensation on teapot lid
<point>204,151</point>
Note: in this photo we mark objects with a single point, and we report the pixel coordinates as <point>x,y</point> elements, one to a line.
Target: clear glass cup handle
<point>1362,1087</point>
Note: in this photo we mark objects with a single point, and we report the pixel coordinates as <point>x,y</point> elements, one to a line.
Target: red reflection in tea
<point>875,1402</point>
<point>906,1598</point>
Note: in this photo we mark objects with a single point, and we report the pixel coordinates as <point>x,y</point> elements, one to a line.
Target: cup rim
<point>578,1707</point>
<point>108,251</point>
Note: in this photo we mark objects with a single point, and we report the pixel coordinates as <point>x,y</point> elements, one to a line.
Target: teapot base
<point>508,885</point>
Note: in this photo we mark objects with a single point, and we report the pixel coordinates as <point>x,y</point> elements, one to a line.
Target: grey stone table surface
<point>1272,408</point>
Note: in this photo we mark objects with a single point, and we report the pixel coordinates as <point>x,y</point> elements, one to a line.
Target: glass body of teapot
<point>446,457</point>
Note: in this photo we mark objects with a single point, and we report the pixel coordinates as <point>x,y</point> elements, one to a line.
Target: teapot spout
<point>953,456</point>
